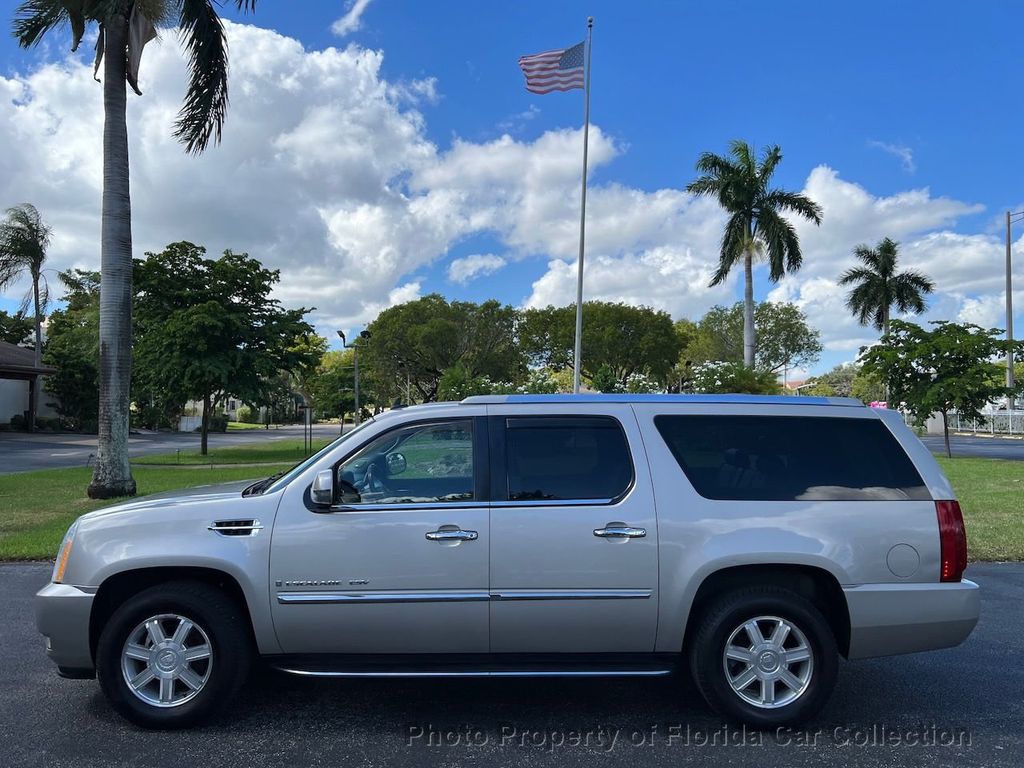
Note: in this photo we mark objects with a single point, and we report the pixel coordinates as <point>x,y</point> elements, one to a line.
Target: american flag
<point>560,70</point>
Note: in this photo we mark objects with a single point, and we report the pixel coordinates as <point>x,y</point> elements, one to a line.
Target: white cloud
<point>352,20</point>
<point>469,268</point>
<point>903,153</point>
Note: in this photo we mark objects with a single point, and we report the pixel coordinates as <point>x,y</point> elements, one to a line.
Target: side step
<point>451,665</point>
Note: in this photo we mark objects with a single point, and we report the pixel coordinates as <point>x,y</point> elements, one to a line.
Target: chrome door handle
<point>612,531</point>
<point>456,535</point>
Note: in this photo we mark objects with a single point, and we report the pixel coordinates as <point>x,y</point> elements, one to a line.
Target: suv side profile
<point>750,540</point>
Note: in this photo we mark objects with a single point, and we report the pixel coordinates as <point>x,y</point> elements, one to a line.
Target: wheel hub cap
<point>166,660</point>
<point>768,662</point>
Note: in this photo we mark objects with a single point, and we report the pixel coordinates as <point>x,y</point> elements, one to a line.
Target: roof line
<point>631,398</point>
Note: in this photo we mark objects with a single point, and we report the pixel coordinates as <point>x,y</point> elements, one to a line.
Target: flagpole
<point>577,356</point>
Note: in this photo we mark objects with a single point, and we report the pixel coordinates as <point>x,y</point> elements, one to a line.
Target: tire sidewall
<point>709,672</point>
<point>209,609</point>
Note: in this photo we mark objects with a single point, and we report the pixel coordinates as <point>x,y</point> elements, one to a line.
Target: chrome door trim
<point>482,673</point>
<point>373,507</point>
<point>571,594</point>
<point>366,598</point>
<point>451,535</point>
<point>352,598</point>
<point>556,503</point>
<point>620,532</point>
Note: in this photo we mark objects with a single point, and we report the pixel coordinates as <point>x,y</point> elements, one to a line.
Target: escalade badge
<point>309,583</point>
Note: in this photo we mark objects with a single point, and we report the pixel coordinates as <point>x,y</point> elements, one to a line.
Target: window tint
<point>566,458</point>
<point>417,464</point>
<point>785,458</point>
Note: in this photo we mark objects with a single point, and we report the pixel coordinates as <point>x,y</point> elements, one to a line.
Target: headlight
<point>63,554</point>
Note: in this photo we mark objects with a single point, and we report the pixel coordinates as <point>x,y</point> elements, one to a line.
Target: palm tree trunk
<point>36,382</point>
<point>112,475</point>
<point>748,307</point>
<point>885,321</point>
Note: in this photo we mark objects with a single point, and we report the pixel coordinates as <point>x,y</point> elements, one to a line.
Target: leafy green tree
<point>208,328</point>
<point>757,225</point>
<point>785,338</point>
<point>949,367</point>
<point>72,348</point>
<point>332,386</point>
<point>201,119</point>
<point>878,287</point>
<point>605,380</point>
<point>418,341</point>
<point>16,328</point>
<point>838,382</point>
<point>624,339</point>
<point>24,238</point>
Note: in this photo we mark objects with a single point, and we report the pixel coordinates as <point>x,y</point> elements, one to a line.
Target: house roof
<point>20,363</point>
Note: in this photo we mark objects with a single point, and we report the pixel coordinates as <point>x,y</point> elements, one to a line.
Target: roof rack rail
<point>627,398</point>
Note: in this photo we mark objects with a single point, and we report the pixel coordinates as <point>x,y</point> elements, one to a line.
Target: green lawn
<point>267,452</point>
<point>37,507</point>
<point>991,494</point>
<point>235,426</point>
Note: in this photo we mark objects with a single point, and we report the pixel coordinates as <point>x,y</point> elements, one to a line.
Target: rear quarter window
<point>791,458</point>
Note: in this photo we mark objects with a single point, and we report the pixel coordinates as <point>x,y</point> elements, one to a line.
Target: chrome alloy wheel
<point>768,662</point>
<point>166,660</point>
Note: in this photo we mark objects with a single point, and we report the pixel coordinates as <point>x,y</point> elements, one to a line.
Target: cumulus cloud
<point>469,268</point>
<point>903,153</point>
<point>353,18</point>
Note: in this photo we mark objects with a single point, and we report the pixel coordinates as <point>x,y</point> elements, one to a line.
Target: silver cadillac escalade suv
<point>751,540</point>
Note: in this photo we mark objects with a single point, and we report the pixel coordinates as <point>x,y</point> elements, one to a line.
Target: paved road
<point>23,452</point>
<point>984,447</point>
<point>971,694</point>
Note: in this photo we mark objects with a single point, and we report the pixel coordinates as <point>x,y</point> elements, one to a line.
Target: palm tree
<point>756,225</point>
<point>878,287</point>
<point>125,26</point>
<point>24,238</point>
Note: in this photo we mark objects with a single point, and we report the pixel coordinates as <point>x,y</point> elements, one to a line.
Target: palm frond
<point>246,6</point>
<point>781,243</point>
<point>770,159</point>
<point>792,202</point>
<point>744,157</point>
<point>856,275</point>
<point>714,165</point>
<point>34,18</point>
<point>734,240</point>
<point>206,100</point>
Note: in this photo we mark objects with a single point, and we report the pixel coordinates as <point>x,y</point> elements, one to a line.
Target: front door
<point>574,539</point>
<point>399,564</point>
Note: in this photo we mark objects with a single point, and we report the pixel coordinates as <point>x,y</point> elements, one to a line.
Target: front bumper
<point>887,619</point>
<point>62,615</point>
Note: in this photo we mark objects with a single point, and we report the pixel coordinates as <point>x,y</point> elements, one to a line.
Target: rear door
<point>574,539</point>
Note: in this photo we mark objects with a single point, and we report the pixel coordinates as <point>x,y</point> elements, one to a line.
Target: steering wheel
<point>372,482</point>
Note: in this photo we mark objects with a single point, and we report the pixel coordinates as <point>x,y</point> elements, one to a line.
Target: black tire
<point>224,622</point>
<point>731,611</point>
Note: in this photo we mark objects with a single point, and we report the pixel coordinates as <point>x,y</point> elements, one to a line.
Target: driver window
<point>421,463</point>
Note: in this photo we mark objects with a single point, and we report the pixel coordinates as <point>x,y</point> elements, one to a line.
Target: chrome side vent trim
<point>235,527</point>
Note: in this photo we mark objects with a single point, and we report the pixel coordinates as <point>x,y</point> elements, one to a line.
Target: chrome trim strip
<point>373,507</point>
<point>308,598</point>
<point>571,594</point>
<point>484,673</point>
<point>554,503</point>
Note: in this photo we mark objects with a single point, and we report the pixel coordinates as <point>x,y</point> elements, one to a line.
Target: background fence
<point>996,423</point>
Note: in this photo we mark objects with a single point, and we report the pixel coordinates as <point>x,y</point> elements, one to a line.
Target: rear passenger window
<point>566,458</point>
<point>791,458</point>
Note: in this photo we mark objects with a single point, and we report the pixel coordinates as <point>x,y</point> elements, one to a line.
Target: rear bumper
<point>62,615</point>
<point>888,619</point>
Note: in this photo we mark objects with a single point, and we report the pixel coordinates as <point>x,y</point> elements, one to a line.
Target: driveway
<point>960,707</point>
<point>20,452</point>
<point>981,447</point>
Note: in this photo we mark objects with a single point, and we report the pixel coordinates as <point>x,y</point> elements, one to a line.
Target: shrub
<point>247,415</point>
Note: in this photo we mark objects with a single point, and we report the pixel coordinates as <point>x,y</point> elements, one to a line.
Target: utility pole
<point>364,336</point>
<point>1011,217</point>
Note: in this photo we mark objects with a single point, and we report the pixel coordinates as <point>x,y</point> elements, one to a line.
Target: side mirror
<point>322,491</point>
<point>396,464</point>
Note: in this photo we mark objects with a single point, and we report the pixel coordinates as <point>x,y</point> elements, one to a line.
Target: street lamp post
<point>1011,217</point>
<point>354,346</point>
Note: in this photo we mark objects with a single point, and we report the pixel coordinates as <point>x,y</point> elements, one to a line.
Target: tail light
<point>952,540</point>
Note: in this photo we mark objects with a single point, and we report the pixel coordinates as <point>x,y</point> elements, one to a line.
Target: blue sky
<point>891,97</point>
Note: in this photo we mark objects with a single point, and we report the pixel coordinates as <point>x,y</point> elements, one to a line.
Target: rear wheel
<point>764,656</point>
<point>173,654</point>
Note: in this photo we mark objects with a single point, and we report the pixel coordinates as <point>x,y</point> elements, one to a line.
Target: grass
<point>267,452</point>
<point>237,426</point>
<point>991,494</point>
<point>37,507</point>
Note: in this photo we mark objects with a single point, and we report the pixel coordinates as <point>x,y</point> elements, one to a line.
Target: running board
<point>477,665</point>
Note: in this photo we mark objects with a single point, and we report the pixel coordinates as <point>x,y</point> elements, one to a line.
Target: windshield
<point>277,482</point>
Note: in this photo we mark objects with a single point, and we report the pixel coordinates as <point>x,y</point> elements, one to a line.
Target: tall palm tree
<point>125,26</point>
<point>24,238</point>
<point>878,287</point>
<point>756,226</point>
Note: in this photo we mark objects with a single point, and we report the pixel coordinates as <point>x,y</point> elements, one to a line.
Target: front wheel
<point>765,657</point>
<point>173,654</point>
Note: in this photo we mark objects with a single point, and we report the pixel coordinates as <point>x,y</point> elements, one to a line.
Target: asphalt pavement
<point>21,452</point>
<point>981,447</point>
<point>958,707</point>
